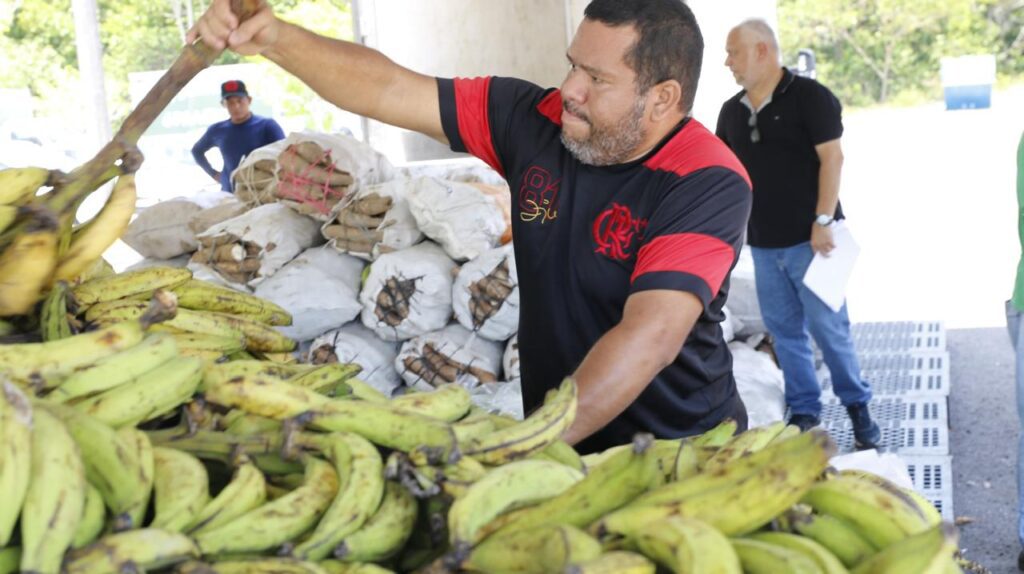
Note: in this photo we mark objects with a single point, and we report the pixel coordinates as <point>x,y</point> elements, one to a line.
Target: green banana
<point>688,545</point>
<point>111,462</point>
<point>615,562</point>
<point>94,516</point>
<point>200,342</point>
<point>386,532</point>
<point>827,562</point>
<point>763,558</point>
<point>882,516</point>
<point>926,552</point>
<point>44,365</point>
<point>145,469</point>
<point>509,487</point>
<point>743,500</point>
<point>364,391</point>
<point>605,489</point>
<point>15,455</point>
<point>239,422</point>
<point>278,521</point>
<point>53,319</point>
<point>117,369</point>
<point>686,463</point>
<point>331,380</point>
<point>448,402</point>
<point>931,514</point>
<point>716,436</point>
<point>562,453</point>
<point>547,549</point>
<point>787,432</point>
<point>361,487</point>
<point>543,427</point>
<point>336,567</point>
<point>146,397</point>
<point>203,296</point>
<point>252,566</point>
<point>19,184</point>
<point>452,479</point>
<point>181,487</point>
<point>55,498</point>
<point>139,550</point>
<point>246,491</point>
<point>743,444</point>
<point>10,560</point>
<point>838,536</point>
<point>128,283</point>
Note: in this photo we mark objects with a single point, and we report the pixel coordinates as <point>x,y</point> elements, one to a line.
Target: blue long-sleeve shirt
<point>234,141</point>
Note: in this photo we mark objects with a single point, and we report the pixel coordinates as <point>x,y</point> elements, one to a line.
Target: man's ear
<point>665,99</point>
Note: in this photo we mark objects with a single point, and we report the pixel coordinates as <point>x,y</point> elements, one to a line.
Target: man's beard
<point>608,145</point>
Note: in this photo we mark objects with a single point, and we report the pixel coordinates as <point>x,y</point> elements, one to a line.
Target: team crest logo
<point>615,230</point>
<point>538,196</point>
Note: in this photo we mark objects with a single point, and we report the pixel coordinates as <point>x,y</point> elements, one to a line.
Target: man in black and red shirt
<point>627,214</point>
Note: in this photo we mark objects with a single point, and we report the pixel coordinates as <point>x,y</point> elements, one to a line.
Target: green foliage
<point>869,51</point>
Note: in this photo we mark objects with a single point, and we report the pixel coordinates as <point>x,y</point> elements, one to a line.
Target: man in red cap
<point>236,136</point>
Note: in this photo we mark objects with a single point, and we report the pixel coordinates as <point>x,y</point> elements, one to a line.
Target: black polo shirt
<point>587,237</point>
<point>783,165</point>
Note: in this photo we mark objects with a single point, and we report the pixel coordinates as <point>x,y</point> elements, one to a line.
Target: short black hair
<point>670,45</point>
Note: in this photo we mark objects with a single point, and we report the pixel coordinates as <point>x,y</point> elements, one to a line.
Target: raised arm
<point>354,78</point>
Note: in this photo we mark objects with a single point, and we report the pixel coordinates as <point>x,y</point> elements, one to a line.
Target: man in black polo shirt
<point>786,130</point>
<point>627,214</point>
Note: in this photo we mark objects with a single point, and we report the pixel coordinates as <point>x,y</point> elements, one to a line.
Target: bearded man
<point>628,215</point>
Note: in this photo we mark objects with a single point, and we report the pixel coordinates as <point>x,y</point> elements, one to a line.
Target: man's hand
<point>218,28</point>
<point>821,239</point>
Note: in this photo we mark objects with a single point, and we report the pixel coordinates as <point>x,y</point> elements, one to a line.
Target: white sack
<point>354,343</point>
<point>461,217</point>
<point>162,231</point>
<point>460,169</point>
<point>504,397</point>
<point>426,273</point>
<point>320,288</point>
<point>728,331</point>
<point>503,322</point>
<point>180,261</point>
<point>207,218</point>
<point>759,383</point>
<point>479,359</point>
<point>510,362</point>
<point>743,296</point>
<point>257,189</point>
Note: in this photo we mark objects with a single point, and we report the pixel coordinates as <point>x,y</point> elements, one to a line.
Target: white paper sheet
<point>827,277</point>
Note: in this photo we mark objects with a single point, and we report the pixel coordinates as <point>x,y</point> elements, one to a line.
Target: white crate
<point>933,478</point>
<point>899,337</point>
<point>910,426</point>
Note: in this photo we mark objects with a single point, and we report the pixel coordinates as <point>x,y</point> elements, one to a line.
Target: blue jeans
<point>1014,325</point>
<point>793,314</point>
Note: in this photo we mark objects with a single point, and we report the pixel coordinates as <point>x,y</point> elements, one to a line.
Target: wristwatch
<point>824,219</point>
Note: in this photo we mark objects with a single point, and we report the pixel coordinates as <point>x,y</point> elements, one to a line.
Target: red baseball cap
<point>233,88</point>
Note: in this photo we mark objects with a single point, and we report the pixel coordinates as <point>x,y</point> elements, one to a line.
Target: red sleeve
<point>471,105</point>
<point>702,256</point>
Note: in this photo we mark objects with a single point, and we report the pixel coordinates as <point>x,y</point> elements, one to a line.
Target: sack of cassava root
<point>450,355</point>
<point>373,221</point>
<point>315,172</point>
<point>255,179</point>
<point>466,219</point>
<point>354,343</point>
<point>485,295</point>
<point>408,293</point>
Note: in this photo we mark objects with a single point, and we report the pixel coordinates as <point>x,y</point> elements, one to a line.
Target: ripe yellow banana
<point>55,498</point>
<point>27,265</point>
<point>200,295</point>
<point>278,521</point>
<point>827,562</point>
<point>927,552</point>
<point>200,342</point>
<point>448,402</point>
<point>15,455</point>
<point>763,558</point>
<point>931,514</point>
<point>547,549</point>
<point>45,365</point>
<point>716,436</point>
<point>543,427</point>
<point>53,319</point>
<point>108,225</point>
<point>128,283</point>
<point>330,379</point>
<point>361,487</point>
<point>614,562</point>
<point>605,489</point>
<point>93,518</point>
<point>688,545</point>
<point>19,184</point>
<point>743,500</point>
<point>111,463</point>
<point>838,536</point>
<point>509,487</point>
<point>246,491</point>
<point>252,566</point>
<point>743,444</point>
<point>686,463</point>
<point>8,214</point>
<point>117,369</point>
<point>142,550</point>
<point>144,470</point>
<point>881,516</point>
<point>386,532</point>
<point>147,396</point>
<point>181,488</point>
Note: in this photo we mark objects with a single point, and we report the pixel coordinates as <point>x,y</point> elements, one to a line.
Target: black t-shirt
<point>587,237</point>
<point>783,165</point>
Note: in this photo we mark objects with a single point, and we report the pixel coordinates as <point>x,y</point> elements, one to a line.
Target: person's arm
<point>354,78</point>
<point>199,154</point>
<point>620,365</point>
<point>830,154</point>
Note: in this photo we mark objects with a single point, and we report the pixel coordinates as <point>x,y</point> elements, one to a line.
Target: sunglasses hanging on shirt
<point>755,134</point>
